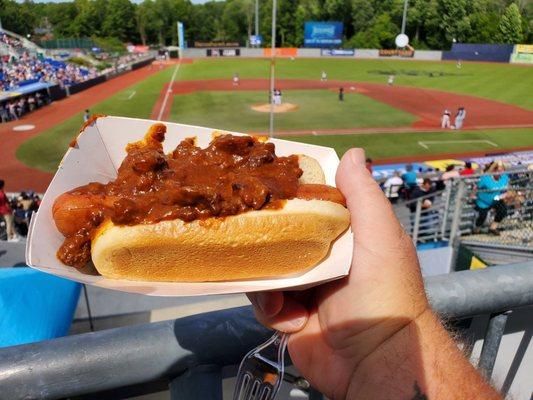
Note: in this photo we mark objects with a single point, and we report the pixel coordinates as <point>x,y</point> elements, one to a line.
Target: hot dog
<point>234,210</point>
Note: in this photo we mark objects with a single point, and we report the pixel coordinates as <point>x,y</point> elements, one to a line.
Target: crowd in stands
<point>14,109</point>
<point>27,70</point>
<point>16,212</point>
<point>491,191</point>
<point>12,42</point>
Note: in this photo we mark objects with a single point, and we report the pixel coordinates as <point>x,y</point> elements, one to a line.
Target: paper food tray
<point>99,152</point>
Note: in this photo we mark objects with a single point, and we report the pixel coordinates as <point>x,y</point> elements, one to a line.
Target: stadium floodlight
<point>404,17</point>
<point>401,40</point>
<point>272,65</point>
<point>257,18</point>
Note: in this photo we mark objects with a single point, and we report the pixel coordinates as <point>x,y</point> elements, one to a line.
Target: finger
<point>266,303</point>
<point>291,318</point>
<point>372,218</point>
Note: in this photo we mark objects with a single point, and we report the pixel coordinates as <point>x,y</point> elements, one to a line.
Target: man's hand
<point>353,336</point>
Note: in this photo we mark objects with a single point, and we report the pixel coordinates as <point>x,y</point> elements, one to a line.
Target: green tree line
<point>367,23</point>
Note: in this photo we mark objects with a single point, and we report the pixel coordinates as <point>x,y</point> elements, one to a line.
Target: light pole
<point>404,15</point>
<point>256,18</point>
<point>272,65</point>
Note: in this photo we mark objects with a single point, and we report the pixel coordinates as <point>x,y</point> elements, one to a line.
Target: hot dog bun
<point>255,244</point>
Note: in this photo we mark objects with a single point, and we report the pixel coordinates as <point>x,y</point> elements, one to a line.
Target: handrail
<point>94,362</point>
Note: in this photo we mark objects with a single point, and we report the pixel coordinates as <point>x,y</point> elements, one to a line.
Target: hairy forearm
<point>419,362</point>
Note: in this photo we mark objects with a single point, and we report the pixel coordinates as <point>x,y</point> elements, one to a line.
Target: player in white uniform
<point>460,117</point>
<point>324,76</point>
<point>235,79</point>
<point>390,81</point>
<point>445,120</point>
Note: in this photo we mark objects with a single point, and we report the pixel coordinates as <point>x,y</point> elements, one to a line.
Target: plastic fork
<point>260,376</point>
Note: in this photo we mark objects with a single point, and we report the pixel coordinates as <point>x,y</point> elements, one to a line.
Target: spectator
<point>420,191</point>
<point>490,194</point>
<point>368,163</point>
<point>450,173</point>
<point>7,213</point>
<point>409,177</point>
<point>3,114</point>
<point>467,170</point>
<point>392,187</point>
<point>12,110</point>
<point>86,116</point>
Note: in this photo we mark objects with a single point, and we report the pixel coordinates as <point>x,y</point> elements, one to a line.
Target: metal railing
<point>192,352</point>
<point>452,214</point>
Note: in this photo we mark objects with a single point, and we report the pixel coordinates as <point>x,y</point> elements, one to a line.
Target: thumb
<point>372,217</point>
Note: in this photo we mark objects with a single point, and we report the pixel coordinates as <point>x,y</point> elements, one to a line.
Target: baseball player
<point>235,79</point>
<point>460,117</point>
<point>445,120</point>
<point>324,76</point>
<point>390,81</point>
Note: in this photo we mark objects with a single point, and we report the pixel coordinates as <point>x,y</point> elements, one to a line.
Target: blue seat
<point>34,306</point>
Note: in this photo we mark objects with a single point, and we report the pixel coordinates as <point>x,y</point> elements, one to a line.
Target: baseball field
<point>401,120</point>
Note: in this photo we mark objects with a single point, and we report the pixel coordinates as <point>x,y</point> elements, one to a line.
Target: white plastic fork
<point>260,377</point>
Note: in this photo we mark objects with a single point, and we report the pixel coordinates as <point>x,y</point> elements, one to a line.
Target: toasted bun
<point>256,244</point>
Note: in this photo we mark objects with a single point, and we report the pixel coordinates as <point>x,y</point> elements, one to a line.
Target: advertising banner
<point>522,58</point>
<point>181,36</point>
<point>323,34</point>
<point>256,40</point>
<point>223,52</point>
<point>281,52</point>
<point>216,44</point>
<point>524,48</point>
<point>396,53</point>
<point>338,52</point>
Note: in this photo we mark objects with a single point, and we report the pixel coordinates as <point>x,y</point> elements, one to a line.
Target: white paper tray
<point>99,152</point>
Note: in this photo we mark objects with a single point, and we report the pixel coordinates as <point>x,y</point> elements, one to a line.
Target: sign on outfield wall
<point>524,48</point>
<point>223,52</point>
<point>396,53</point>
<point>338,52</point>
<point>323,34</point>
<point>216,44</point>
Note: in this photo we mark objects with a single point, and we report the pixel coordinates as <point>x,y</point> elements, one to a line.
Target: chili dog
<point>233,210</point>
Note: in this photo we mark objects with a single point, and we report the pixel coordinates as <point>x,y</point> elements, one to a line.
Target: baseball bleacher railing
<point>451,216</point>
<point>190,356</point>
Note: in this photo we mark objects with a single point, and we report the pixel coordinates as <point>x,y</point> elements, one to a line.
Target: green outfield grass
<point>504,82</point>
<point>318,109</point>
<point>229,110</point>
<point>407,144</point>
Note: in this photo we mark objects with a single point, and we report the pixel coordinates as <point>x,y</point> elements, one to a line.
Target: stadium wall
<point>479,52</point>
<point>317,53</point>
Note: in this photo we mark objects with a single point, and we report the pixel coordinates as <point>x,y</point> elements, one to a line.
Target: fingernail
<point>357,156</point>
<point>298,323</point>
<point>289,326</point>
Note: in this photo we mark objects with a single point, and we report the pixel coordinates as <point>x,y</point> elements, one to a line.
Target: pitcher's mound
<point>285,107</point>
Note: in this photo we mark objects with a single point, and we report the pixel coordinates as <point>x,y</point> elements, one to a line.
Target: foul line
<point>131,95</point>
<point>424,144</point>
<point>169,90</point>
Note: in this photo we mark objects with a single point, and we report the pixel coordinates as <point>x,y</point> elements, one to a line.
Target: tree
<point>119,20</point>
<point>455,19</point>
<point>511,25</point>
<point>362,15</point>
